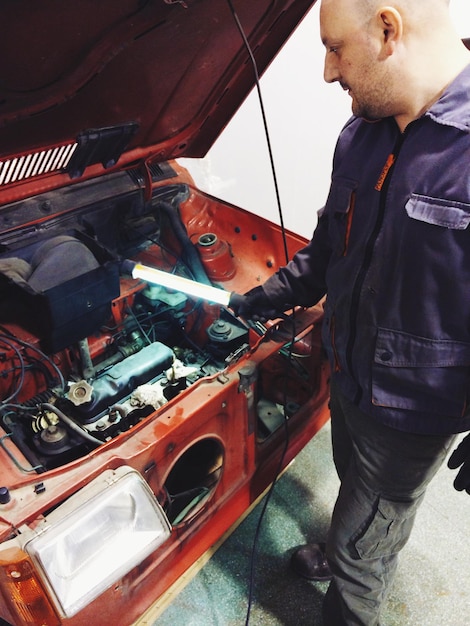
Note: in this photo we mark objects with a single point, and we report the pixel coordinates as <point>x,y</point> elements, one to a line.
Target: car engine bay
<point>86,353</point>
<point>95,352</point>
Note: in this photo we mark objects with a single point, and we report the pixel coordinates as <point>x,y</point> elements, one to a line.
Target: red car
<point>139,418</point>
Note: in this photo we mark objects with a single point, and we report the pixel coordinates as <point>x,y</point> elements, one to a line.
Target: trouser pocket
<point>388,530</point>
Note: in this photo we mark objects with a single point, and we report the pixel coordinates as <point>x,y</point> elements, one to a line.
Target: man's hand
<point>460,457</point>
<point>254,305</point>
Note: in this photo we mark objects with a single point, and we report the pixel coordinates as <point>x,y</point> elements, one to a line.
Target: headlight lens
<point>82,553</point>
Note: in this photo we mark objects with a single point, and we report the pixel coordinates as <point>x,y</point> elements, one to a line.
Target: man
<point>392,253</point>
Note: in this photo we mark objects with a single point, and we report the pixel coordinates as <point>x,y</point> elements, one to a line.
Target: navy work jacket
<point>392,252</point>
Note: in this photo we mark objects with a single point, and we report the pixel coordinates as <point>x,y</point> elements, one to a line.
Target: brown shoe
<point>310,562</point>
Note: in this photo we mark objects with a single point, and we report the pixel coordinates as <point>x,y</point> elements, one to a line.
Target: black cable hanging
<point>286,253</point>
<point>265,126</point>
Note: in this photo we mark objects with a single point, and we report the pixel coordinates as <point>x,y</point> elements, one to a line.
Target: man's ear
<point>390,23</point>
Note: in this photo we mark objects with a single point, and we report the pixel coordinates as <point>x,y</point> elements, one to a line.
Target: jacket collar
<point>453,107</point>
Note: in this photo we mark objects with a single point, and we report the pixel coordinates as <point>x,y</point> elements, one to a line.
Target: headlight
<point>96,537</point>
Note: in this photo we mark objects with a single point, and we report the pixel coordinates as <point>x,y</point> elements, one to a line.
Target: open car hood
<point>161,76</point>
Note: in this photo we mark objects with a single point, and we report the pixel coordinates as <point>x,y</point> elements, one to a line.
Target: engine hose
<point>87,364</point>
<point>189,252</point>
<point>46,406</point>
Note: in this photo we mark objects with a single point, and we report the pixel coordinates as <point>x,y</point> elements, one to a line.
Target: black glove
<point>461,457</point>
<point>254,305</point>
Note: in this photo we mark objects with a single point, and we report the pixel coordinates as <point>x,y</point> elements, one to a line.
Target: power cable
<point>265,126</point>
<point>286,254</point>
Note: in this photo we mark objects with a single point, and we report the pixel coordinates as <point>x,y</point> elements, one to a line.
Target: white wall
<point>304,116</point>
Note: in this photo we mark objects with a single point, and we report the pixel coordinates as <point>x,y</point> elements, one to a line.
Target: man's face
<point>353,59</point>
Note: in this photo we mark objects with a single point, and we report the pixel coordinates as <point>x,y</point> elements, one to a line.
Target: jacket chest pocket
<point>439,212</point>
<point>420,374</point>
<point>340,211</point>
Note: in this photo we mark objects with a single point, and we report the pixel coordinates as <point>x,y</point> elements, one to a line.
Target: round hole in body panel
<point>193,479</point>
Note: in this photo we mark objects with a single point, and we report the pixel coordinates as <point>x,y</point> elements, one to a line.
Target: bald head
<point>413,12</point>
<point>368,7</point>
<point>394,57</point>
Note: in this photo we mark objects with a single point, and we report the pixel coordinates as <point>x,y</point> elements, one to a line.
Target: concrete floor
<point>432,586</point>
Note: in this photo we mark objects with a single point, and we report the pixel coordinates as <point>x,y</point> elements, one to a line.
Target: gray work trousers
<point>384,474</point>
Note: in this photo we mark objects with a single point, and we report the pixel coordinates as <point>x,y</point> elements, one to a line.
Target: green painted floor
<point>432,587</point>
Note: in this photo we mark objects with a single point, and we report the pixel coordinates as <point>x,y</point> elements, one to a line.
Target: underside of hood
<point>162,75</point>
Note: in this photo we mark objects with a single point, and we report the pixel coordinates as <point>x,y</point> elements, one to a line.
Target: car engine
<point>85,353</point>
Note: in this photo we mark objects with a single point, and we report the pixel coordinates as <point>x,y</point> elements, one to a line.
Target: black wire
<point>265,126</point>
<point>19,384</point>
<point>286,253</point>
<point>10,337</point>
<point>262,514</point>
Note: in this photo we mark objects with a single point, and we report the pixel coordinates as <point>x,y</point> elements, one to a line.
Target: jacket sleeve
<point>302,281</point>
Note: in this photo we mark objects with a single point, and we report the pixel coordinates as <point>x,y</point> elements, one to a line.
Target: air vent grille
<point>35,163</point>
<point>158,172</point>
